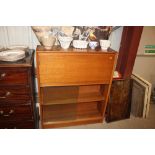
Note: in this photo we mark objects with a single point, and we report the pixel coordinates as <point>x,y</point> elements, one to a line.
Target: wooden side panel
<point>58,69</point>
<point>119,104</point>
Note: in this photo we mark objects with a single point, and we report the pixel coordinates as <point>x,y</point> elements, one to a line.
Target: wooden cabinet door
<point>61,69</point>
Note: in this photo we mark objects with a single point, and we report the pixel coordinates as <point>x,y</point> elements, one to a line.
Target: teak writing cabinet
<point>73,85</point>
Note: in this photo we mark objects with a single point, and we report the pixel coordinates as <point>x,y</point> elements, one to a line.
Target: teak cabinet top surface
<point>74,67</point>
<point>58,49</point>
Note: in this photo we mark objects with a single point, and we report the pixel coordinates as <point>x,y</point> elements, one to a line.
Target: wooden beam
<point>128,50</point>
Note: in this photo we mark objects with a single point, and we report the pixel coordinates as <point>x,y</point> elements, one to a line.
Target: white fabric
<point>17,35</point>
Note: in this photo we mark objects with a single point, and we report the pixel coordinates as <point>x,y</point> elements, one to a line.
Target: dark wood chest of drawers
<point>17,108</point>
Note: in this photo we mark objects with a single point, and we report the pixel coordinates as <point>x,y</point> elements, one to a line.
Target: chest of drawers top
<point>26,62</point>
<point>16,73</point>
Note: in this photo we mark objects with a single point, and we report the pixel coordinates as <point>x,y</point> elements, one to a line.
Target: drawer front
<point>14,94</point>
<point>17,125</point>
<point>57,69</point>
<point>15,113</point>
<point>16,103</point>
<point>13,76</point>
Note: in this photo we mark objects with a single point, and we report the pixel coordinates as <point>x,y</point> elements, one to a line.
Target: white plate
<point>17,47</point>
<point>12,55</point>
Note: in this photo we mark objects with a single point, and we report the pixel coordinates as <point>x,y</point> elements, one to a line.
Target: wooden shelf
<point>69,113</point>
<point>88,97</point>
<point>74,94</point>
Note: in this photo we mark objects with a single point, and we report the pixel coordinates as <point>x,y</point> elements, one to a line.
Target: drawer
<point>58,69</point>
<point>13,76</point>
<point>15,103</point>
<point>18,125</point>
<point>14,94</point>
<point>16,113</point>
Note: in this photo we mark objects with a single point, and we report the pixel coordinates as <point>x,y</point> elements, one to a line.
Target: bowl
<point>65,41</point>
<point>105,44</point>
<point>41,28</point>
<point>41,34</point>
<point>80,44</point>
<point>93,44</point>
<point>48,41</point>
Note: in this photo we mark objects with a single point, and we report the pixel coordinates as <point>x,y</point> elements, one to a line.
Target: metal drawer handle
<point>6,95</point>
<point>7,115</point>
<point>2,76</point>
<point>1,112</point>
<point>11,111</point>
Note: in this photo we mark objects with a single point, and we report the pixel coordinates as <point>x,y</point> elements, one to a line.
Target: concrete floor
<point>132,123</point>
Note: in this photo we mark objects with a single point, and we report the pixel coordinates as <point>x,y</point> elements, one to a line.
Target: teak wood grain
<point>58,69</point>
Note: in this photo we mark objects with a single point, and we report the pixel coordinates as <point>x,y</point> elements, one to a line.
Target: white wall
<point>145,65</point>
<point>115,38</point>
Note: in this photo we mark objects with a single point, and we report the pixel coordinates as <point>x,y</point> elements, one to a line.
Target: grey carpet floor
<point>131,123</point>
